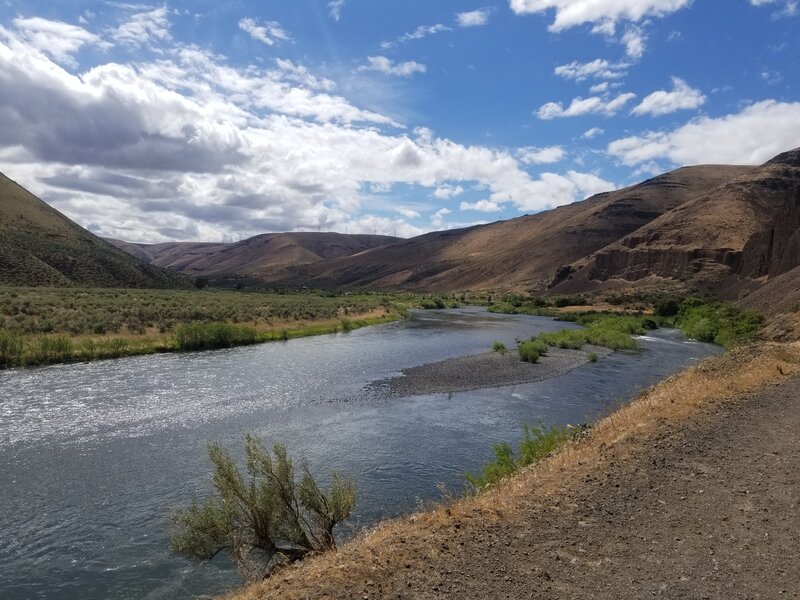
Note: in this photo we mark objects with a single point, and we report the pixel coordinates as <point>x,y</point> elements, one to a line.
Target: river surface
<point>93,457</point>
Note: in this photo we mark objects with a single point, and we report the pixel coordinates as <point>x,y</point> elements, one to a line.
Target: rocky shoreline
<point>486,370</point>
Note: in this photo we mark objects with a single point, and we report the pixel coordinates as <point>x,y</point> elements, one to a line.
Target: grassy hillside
<point>40,246</point>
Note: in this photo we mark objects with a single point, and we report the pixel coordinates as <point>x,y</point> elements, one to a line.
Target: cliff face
<point>522,252</point>
<point>745,229</point>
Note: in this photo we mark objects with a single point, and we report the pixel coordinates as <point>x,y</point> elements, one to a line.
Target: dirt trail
<point>705,507</point>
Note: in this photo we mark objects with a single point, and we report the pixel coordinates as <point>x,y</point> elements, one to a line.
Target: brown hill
<point>40,246</point>
<point>261,257</point>
<point>727,241</point>
<point>519,253</point>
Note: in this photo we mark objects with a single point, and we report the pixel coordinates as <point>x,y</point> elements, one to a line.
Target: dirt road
<point>700,507</point>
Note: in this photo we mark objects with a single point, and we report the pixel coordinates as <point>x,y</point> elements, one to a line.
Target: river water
<point>93,457</point>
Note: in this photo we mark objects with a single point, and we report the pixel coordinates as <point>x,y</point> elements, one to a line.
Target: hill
<point>519,253</point>
<point>263,257</point>
<point>727,241</point>
<point>40,246</point>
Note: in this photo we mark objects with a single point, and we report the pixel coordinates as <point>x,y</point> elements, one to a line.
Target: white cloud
<point>55,38</point>
<point>584,106</point>
<point>554,190</point>
<point>335,9</point>
<point>408,213</point>
<point>570,13</point>
<point>541,156</point>
<point>593,133</point>
<point>598,68</point>
<point>268,33</point>
<point>420,32</point>
<point>790,7</point>
<point>486,206</point>
<point>187,146</point>
<point>662,102</point>
<point>751,136</point>
<point>143,28</point>
<point>473,18</point>
<point>389,67</point>
<point>437,219</point>
<point>445,192</point>
<point>634,39</point>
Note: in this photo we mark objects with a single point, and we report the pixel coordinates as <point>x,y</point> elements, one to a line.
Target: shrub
<point>717,322</point>
<point>499,347</point>
<point>532,350</point>
<point>667,307</point>
<point>10,348</point>
<point>264,519</point>
<point>537,443</point>
<point>206,336</point>
<point>592,356</point>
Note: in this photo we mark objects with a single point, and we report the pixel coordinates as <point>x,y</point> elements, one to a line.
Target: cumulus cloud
<point>662,102</point>
<point>584,106</point>
<point>598,69</point>
<point>445,192</point>
<point>57,39</point>
<point>541,156</point>
<point>486,206</point>
<point>556,190</point>
<point>268,33</point>
<point>569,13</point>
<point>143,28</point>
<point>389,67</point>
<point>751,136</point>
<point>593,133</point>
<point>408,213</point>
<point>473,18</point>
<point>190,147</point>
<point>634,39</point>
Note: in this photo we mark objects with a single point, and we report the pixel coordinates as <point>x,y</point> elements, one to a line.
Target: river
<point>93,457</point>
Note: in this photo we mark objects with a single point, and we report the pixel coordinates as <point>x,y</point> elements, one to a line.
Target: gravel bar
<point>486,370</point>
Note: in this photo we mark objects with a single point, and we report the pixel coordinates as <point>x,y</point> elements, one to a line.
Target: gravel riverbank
<point>489,369</point>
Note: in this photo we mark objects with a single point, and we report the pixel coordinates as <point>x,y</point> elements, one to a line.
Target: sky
<point>215,121</point>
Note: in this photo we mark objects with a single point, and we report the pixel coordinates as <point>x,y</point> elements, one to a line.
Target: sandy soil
<point>691,492</point>
<point>485,370</point>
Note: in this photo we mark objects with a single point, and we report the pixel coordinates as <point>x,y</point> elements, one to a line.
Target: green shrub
<point>10,348</point>
<point>207,336</point>
<point>265,518</point>
<point>537,443</point>
<point>592,356</point>
<point>499,347</point>
<point>532,350</point>
<point>717,322</point>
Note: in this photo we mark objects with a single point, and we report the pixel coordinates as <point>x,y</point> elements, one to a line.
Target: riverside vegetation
<point>264,519</point>
<point>712,322</point>
<point>53,325</point>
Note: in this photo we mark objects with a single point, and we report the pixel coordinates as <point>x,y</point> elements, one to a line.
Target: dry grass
<point>412,541</point>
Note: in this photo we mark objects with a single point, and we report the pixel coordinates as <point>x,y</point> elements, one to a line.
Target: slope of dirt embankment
<point>691,491</point>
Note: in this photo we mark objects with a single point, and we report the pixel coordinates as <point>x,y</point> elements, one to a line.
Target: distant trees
<point>264,518</point>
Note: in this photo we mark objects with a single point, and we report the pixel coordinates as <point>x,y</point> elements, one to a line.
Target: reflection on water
<point>94,456</point>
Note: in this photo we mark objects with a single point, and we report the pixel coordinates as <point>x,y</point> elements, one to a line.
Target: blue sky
<point>200,120</point>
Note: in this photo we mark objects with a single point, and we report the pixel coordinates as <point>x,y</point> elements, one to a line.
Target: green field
<point>49,325</point>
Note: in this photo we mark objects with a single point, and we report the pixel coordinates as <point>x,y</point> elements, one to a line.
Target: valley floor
<point>692,491</point>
